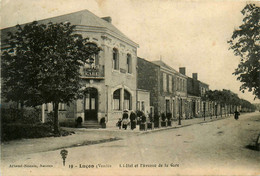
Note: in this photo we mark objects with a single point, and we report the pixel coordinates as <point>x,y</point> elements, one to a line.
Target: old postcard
<point>130,87</point>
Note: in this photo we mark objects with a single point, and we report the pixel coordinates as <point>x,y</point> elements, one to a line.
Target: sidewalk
<point>84,136</point>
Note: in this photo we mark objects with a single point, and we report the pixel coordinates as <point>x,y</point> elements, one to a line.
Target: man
<point>236,114</point>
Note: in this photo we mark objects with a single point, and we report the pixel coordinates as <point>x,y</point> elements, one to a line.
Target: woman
<point>133,120</point>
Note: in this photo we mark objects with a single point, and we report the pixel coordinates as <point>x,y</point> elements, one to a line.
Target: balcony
<point>93,72</point>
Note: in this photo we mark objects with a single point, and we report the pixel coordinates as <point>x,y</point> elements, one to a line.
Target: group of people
<point>123,123</point>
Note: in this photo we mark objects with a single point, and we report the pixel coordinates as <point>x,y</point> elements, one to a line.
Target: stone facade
<point>168,90</point>
<point>147,79</point>
<point>109,83</point>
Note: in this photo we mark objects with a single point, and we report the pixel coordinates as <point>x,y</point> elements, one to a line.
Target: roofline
<point>148,61</point>
<point>108,31</point>
<point>170,70</point>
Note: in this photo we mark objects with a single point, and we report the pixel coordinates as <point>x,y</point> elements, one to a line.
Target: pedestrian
<point>133,120</point>
<point>236,114</point>
<point>125,123</point>
<point>119,123</point>
<point>125,119</point>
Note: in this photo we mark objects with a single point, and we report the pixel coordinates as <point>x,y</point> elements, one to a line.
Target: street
<point>212,148</point>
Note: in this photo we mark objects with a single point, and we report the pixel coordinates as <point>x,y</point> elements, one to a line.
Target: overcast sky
<point>191,34</point>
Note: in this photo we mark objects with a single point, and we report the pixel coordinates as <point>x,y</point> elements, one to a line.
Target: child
<point>119,123</point>
<point>125,123</point>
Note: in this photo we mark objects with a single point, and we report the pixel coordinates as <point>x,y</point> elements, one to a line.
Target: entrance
<point>193,109</point>
<point>91,104</point>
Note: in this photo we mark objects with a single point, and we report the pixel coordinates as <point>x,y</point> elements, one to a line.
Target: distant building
<point>168,90</point>
<point>196,95</point>
<point>110,82</point>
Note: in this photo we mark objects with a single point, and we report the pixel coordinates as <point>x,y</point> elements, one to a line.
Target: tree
<point>245,43</point>
<point>42,63</point>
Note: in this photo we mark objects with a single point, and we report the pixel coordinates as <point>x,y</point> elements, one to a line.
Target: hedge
<point>26,116</point>
<point>18,131</point>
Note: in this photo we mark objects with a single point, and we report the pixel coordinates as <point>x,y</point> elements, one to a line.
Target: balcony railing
<point>93,71</point>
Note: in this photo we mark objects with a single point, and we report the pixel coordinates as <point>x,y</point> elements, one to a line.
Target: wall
<point>148,79</point>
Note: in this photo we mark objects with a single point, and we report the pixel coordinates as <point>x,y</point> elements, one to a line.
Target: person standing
<point>133,120</point>
<point>125,119</point>
<point>236,114</point>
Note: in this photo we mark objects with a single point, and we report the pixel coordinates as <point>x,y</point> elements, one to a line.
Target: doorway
<point>91,104</point>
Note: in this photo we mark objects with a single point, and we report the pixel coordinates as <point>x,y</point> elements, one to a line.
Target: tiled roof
<point>83,18</point>
<point>162,64</point>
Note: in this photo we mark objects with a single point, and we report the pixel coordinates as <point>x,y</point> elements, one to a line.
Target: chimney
<point>182,70</point>
<point>195,76</point>
<point>107,19</point>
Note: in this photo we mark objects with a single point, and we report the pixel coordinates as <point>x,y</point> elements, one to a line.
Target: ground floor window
<point>143,106</point>
<point>127,98</point>
<point>116,99</point>
<point>62,107</point>
<point>138,105</point>
<point>168,110</point>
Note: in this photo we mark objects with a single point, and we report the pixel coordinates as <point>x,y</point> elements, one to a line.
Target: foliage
<point>163,117</point>
<point>227,97</point>
<point>25,116</point>
<point>42,64</point>
<point>169,116</point>
<point>151,118</point>
<point>156,117</point>
<point>245,43</point>
<point>18,131</point>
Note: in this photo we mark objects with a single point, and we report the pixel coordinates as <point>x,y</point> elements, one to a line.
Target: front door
<point>91,104</point>
<point>193,109</point>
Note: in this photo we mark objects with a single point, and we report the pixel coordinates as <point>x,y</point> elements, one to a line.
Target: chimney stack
<point>107,19</point>
<point>182,70</point>
<point>195,76</point>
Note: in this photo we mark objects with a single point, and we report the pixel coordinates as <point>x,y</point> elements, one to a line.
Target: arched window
<point>116,99</point>
<point>115,59</point>
<point>127,100</point>
<point>129,63</point>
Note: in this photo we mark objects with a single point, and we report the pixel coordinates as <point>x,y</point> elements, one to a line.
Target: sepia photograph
<point>130,87</point>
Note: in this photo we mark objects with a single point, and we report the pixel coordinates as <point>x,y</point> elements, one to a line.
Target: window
<point>170,83</point>
<point>178,84</point>
<point>116,99</point>
<point>168,106</point>
<point>61,106</point>
<point>164,82</point>
<point>143,107</point>
<point>129,63</point>
<point>87,104</point>
<point>115,59</point>
<point>93,60</point>
<point>184,85</point>
<point>127,104</point>
<point>138,105</point>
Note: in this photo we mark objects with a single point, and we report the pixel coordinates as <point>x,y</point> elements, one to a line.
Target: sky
<point>187,33</point>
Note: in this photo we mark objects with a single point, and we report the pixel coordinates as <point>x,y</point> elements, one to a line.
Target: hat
<point>126,110</point>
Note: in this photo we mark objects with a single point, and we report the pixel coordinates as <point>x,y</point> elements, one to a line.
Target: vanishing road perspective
<point>224,146</point>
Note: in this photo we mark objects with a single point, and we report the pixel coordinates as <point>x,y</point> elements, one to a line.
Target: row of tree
<point>226,97</point>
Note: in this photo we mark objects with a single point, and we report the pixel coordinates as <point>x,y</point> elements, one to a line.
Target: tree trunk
<point>221,110</point>
<point>56,120</point>
<point>216,110</point>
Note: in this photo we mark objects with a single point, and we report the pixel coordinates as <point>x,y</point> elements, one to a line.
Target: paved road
<point>213,148</point>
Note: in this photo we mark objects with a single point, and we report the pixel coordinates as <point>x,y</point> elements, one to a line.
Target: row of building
<point>119,79</point>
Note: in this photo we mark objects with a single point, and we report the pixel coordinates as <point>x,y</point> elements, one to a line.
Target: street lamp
<point>180,105</point>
